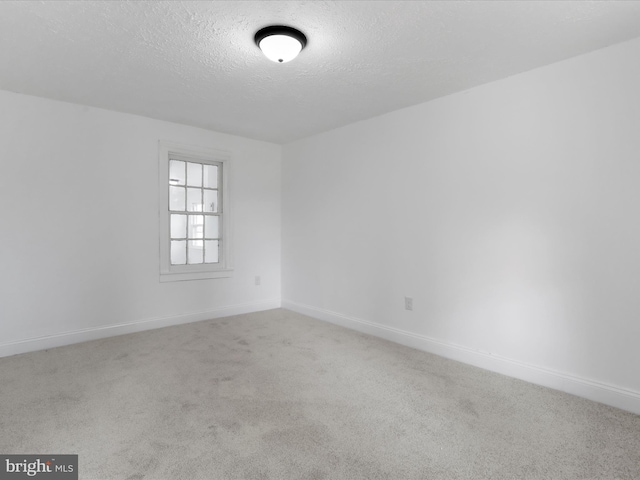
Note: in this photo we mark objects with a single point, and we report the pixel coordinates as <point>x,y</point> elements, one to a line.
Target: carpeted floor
<point>277,395</point>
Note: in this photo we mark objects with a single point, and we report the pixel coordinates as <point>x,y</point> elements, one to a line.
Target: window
<point>194,213</point>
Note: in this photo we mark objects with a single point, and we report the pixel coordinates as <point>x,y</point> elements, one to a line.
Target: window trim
<point>223,269</point>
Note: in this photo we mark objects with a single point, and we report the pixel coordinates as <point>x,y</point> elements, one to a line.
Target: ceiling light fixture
<point>279,43</point>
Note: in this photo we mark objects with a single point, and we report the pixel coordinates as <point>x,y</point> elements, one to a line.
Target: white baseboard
<point>582,387</point>
<point>86,334</point>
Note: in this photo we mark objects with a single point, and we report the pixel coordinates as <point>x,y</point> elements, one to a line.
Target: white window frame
<point>222,269</point>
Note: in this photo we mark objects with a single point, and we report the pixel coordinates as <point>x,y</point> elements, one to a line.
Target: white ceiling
<point>196,63</point>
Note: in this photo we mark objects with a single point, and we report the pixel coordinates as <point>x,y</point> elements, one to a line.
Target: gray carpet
<point>277,395</point>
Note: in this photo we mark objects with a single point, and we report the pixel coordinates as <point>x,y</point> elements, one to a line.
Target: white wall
<point>509,212</point>
<point>79,232</point>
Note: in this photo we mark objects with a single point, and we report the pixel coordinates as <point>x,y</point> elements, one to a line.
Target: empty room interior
<point>320,240</point>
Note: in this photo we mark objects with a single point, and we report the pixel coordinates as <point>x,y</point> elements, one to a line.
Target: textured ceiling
<point>196,63</point>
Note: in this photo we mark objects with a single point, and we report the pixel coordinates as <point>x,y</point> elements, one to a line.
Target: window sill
<point>181,277</point>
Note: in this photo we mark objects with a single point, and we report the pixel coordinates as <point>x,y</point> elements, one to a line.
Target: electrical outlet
<point>408,303</point>
<point>258,280</point>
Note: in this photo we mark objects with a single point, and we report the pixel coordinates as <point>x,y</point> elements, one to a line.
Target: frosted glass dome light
<point>279,43</point>
<point>280,48</point>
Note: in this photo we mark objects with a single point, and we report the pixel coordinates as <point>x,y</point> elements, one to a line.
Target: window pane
<point>211,226</point>
<point>211,251</point>
<point>211,176</point>
<point>194,174</point>
<point>178,252</point>
<point>176,198</point>
<point>211,201</point>
<point>176,172</point>
<point>178,226</point>
<point>195,252</point>
<point>194,199</point>
<point>196,226</point>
